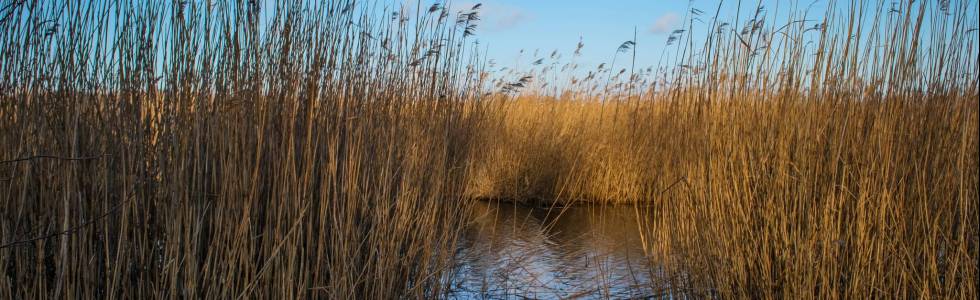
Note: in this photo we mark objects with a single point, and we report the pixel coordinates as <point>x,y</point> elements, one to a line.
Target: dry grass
<point>848,200</point>
<point>779,161</point>
<point>547,149</point>
<point>233,149</point>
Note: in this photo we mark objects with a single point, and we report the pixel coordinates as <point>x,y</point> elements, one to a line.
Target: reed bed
<point>232,149</point>
<point>835,158</point>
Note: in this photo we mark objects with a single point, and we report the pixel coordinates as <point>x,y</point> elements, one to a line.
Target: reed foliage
<point>230,149</point>
<point>835,158</point>
<point>293,149</point>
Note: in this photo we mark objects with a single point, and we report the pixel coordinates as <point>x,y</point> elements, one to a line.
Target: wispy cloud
<point>497,16</point>
<point>664,23</point>
<point>510,17</point>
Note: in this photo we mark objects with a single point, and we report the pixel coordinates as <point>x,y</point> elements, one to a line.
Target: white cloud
<point>496,16</point>
<point>510,18</point>
<point>664,23</point>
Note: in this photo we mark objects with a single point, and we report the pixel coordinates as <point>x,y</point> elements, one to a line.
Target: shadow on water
<point>515,251</point>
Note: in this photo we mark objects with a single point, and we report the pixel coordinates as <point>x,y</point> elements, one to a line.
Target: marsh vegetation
<point>348,149</point>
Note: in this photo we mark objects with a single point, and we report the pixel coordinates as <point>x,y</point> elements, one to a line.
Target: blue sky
<point>539,27</point>
<point>546,25</point>
<point>508,26</point>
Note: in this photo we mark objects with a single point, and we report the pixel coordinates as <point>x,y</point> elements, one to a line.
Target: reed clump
<point>231,149</point>
<point>829,156</point>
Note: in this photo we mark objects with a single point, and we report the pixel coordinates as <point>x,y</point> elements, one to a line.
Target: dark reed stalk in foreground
<point>230,149</point>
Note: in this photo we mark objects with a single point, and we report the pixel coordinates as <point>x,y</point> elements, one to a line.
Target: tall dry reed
<point>231,149</point>
<point>833,154</point>
<point>246,149</point>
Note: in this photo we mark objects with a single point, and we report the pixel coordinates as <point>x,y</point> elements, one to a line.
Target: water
<point>515,251</point>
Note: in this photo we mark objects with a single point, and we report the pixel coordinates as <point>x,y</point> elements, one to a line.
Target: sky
<point>511,25</point>
<point>514,33</point>
<point>508,26</point>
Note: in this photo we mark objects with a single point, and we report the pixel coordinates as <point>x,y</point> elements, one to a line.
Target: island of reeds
<point>332,149</point>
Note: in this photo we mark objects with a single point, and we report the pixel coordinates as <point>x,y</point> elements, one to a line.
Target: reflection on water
<point>513,251</point>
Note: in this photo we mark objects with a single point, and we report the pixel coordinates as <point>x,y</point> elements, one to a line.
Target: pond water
<point>515,251</point>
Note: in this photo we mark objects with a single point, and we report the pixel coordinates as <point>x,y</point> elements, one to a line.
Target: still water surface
<point>515,251</point>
